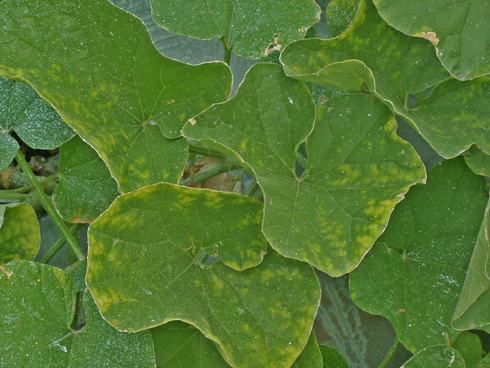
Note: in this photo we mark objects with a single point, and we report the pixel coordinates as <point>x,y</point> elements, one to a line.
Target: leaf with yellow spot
<point>458,30</point>
<point>398,69</point>
<point>103,75</point>
<point>357,168</point>
<point>85,187</point>
<point>251,28</point>
<point>473,308</point>
<point>20,237</point>
<point>22,111</point>
<point>172,253</point>
<point>437,356</point>
<point>419,264</point>
<point>37,325</point>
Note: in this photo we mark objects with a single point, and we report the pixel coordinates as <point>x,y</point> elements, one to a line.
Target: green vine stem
<point>12,196</point>
<point>48,206</point>
<point>218,168</point>
<point>227,48</point>
<point>51,252</point>
<point>389,355</point>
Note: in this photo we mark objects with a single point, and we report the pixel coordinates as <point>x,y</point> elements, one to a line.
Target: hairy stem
<point>48,206</point>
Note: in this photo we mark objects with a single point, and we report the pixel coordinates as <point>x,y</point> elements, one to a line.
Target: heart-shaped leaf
<point>85,187</point>
<point>109,83</point>
<point>20,236</point>
<point>357,168</point>
<point>419,264</point>
<point>159,250</point>
<point>459,30</point>
<point>36,314</point>
<point>453,118</point>
<point>252,28</point>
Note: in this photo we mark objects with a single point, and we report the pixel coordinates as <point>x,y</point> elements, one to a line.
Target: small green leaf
<point>339,14</point>
<point>32,118</point>
<point>311,357</point>
<point>85,187</point>
<point>437,356</point>
<point>419,264</point>
<point>8,149</point>
<point>36,313</point>
<point>469,346</point>
<point>452,119</point>
<point>357,168</point>
<point>478,161</point>
<point>151,251</point>
<point>109,83</point>
<point>179,345</point>
<point>20,236</point>
<point>252,28</point>
<point>473,308</point>
<point>459,30</point>
<point>332,358</point>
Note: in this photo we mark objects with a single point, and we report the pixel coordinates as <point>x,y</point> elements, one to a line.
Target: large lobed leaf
<point>357,168</point>
<point>371,56</point>
<point>415,273</point>
<point>459,30</point>
<point>252,28</point>
<point>141,259</point>
<point>37,311</point>
<point>98,67</point>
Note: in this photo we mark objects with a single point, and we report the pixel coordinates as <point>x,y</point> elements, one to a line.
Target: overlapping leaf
<point>20,237</point>
<point>371,56</point>
<point>438,356</point>
<point>459,30</point>
<point>36,313</point>
<point>469,346</point>
<point>332,358</point>
<point>419,264</point>
<point>252,28</point>
<point>473,308</point>
<point>151,251</point>
<point>179,345</point>
<point>357,170</point>
<point>85,187</point>
<point>34,121</point>
<point>98,67</point>
<point>478,161</point>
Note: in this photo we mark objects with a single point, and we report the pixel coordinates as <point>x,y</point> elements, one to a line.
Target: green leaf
<point>451,119</point>
<point>20,236</point>
<point>485,362</point>
<point>109,83</point>
<point>179,345</point>
<point>34,120</point>
<point>473,308</point>
<point>252,29</point>
<point>363,339</point>
<point>357,168</point>
<point>332,358</point>
<point>339,14</point>
<point>419,264</point>
<point>311,357</point>
<point>8,149</point>
<point>478,161</point>
<point>437,356</point>
<point>150,252</point>
<point>459,30</point>
<point>469,346</point>
<point>85,187</point>
<point>36,313</point>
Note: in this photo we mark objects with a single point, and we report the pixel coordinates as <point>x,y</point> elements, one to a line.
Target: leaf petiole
<point>48,206</point>
<point>389,355</point>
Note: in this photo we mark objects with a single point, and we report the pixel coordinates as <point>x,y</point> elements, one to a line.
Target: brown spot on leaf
<point>6,272</point>
<point>431,36</point>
